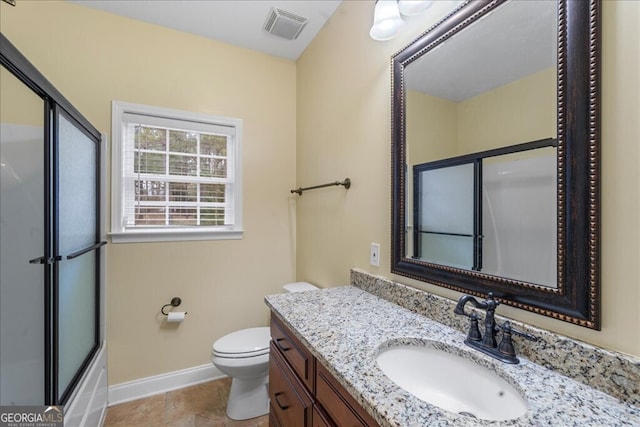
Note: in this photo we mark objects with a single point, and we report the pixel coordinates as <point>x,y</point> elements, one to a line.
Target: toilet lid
<point>247,342</point>
<point>299,287</point>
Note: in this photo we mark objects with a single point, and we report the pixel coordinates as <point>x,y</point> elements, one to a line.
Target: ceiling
<point>517,39</point>
<point>237,22</point>
<point>472,70</point>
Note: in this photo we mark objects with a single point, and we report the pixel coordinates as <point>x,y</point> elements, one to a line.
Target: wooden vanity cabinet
<point>338,403</point>
<point>303,393</point>
<point>291,403</point>
<point>296,354</point>
<point>320,418</point>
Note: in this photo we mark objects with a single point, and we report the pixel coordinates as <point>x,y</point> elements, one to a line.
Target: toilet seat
<point>299,287</point>
<point>244,356</point>
<point>245,343</point>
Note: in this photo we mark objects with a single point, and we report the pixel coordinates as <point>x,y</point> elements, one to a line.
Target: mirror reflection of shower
<point>519,222</point>
<point>492,212</point>
<point>510,98</point>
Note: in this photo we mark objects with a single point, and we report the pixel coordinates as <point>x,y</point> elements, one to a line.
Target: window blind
<point>177,173</point>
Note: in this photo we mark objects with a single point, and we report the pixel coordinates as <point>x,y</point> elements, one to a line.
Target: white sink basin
<point>451,382</point>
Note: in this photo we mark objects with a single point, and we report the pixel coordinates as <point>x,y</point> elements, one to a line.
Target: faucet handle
<point>474,330</point>
<point>506,344</point>
<point>524,335</point>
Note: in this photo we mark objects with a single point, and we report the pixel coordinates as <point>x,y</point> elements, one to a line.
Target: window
<point>176,175</point>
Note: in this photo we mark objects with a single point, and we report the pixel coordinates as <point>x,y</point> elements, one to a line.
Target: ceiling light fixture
<point>386,20</point>
<point>386,16</point>
<point>413,7</point>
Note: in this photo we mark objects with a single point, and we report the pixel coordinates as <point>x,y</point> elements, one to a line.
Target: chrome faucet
<point>488,344</point>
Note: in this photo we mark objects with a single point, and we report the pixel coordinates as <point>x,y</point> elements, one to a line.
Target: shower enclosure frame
<point>476,160</point>
<point>55,107</point>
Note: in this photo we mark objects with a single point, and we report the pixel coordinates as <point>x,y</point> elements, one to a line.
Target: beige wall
<point>18,104</point>
<point>344,130</point>
<point>518,112</point>
<point>522,111</point>
<point>430,119</point>
<point>341,107</point>
<point>93,58</point>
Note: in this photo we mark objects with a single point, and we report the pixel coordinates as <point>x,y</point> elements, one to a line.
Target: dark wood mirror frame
<point>577,297</point>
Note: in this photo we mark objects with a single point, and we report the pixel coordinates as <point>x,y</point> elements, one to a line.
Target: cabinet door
<point>320,418</point>
<point>343,409</point>
<point>273,420</point>
<point>290,401</point>
<point>298,357</point>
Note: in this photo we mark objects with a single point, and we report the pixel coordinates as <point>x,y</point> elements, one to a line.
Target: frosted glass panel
<point>77,194</point>
<point>454,251</point>
<point>519,220</point>
<point>77,231</point>
<point>77,305</point>
<point>21,239</point>
<point>446,196</point>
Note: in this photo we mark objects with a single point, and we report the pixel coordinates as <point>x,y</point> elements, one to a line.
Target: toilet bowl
<point>244,356</point>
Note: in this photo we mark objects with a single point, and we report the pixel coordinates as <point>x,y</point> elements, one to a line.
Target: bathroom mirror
<point>495,155</point>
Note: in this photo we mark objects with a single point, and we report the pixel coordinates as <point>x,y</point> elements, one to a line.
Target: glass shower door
<point>50,274</point>
<point>76,295</point>
<point>23,264</point>
<point>445,228</point>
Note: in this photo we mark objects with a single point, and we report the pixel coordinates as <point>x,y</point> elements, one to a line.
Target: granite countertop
<point>344,328</point>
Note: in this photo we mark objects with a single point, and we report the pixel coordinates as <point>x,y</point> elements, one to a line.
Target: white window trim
<point>121,235</point>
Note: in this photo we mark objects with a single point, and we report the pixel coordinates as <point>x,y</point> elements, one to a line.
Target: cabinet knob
<point>277,399</point>
<point>282,347</point>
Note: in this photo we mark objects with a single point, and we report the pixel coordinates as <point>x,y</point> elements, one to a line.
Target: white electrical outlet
<point>374,255</point>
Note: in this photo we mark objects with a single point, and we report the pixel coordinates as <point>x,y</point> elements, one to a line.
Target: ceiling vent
<point>284,24</point>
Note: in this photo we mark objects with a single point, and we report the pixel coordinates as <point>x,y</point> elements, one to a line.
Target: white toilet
<point>244,356</point>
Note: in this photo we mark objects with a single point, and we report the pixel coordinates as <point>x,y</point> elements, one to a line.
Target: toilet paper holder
<point>175,301</point>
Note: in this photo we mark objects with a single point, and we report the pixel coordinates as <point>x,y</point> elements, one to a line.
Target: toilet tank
<point>299,287</point>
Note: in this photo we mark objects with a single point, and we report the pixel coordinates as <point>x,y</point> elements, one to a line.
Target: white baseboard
<point>162,383</point>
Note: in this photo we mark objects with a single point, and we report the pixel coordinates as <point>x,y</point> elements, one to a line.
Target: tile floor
<point>201,405</point>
